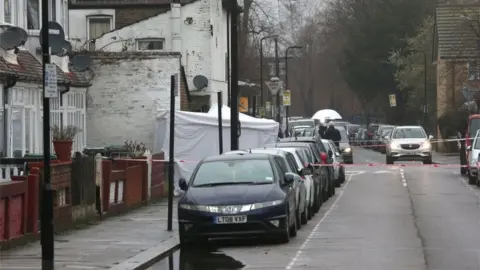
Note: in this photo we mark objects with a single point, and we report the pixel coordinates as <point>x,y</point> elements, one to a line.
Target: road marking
<point>351,173</point>
<point>378,172</point>
<point>312,233</point>
<point>404,181</point>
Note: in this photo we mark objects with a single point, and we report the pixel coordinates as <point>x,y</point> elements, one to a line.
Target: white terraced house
<point>20,85</point>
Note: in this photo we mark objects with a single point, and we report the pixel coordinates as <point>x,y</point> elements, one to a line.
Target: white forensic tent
<point>196,136</point>
<point>325,114</point>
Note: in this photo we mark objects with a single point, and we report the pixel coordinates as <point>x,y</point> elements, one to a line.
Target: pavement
<point>123,242</point>
<point>390,217</point>
<point>386,217</point>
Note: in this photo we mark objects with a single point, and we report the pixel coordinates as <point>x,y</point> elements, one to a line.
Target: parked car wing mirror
<point>289,178</point>
<point>182,183</point>
<point>469,148</point>
<point>386,137</point>
<point>430,137</point>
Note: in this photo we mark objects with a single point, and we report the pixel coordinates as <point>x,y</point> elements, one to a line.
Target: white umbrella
<point>323,115</point>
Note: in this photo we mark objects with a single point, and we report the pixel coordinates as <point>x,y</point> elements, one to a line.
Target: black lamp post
<point>286,84</point>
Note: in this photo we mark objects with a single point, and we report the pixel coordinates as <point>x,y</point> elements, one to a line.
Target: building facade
<point>21,112</point>
<point>197,29</point>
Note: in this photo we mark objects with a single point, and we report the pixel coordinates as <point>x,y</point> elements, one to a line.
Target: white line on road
<point>303,246</point>
<point>404,181</point>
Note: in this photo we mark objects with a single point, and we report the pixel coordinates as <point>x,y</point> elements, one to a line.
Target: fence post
<point>98,183</point>
<point>149,174</point>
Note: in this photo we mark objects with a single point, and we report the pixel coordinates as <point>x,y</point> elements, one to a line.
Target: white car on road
<point>408,143</point>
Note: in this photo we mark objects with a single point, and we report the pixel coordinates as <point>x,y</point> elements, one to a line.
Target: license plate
<point>412,153</point>
<point>230,219</point>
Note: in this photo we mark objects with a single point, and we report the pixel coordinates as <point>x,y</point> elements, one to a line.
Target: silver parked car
<point>409,143</point>
<point>473,162</point>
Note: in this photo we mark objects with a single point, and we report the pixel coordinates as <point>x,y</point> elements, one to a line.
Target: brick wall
<point>128,15</point>
<point>127,90</point>
<point>184,103</point>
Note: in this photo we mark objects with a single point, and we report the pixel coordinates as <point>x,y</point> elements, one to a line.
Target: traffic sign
<point>51,90</point>
<point>393,100</point>
<point>274,86</point>
<point>286,98</point>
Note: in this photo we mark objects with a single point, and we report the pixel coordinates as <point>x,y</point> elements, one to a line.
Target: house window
<point>8,11</point>
<point>33,14</point>
<point>155,44</point>
<point>97,26</point>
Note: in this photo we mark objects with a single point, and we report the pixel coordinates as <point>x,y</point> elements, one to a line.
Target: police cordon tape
<point>337,164</point>
<point>431,141</point>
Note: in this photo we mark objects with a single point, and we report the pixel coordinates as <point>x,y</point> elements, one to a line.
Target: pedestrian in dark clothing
<point>321,130</point>
<point>333,134</point>
<point>280,133</point>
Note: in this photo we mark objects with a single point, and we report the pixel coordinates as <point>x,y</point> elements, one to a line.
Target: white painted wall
<point>202,52</point>
<point>122,103</point>
<point>78,24</point>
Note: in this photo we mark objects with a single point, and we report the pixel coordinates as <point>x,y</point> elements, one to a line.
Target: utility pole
<point>277,74</point>
<point>234,121</point>
<point>46,224</point>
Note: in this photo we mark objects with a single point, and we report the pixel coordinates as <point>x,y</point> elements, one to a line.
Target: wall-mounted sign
<point>243,104</point>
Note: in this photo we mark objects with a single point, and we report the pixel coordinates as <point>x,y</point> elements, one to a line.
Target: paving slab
<point>129,240</point>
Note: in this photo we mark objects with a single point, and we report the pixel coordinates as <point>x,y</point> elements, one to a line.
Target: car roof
<point>270,151</point>
<point>299,139</point>
<point>400,127</point>
<point>239,156</point>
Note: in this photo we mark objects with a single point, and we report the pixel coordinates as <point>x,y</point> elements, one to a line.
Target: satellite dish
<point>56,37</point>
<point>81,62</point>
<point>66,50</point>
<point>200,81</point>
<point>12,38</point>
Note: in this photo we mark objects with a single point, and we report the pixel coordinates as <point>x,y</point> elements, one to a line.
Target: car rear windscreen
<point>234,172</point>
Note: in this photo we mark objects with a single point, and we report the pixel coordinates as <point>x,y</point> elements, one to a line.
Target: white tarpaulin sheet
<point>196,136</point>
<point>322,115</point>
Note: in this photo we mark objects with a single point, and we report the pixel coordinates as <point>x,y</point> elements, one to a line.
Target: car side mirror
<point>306,171</point>
<point>430,137</point>
<point>469,148</point>
<point>289,178</point>
<point>330,153</point>
<point>386,137</point>
<point>182,183</point>
<point>337,154</point>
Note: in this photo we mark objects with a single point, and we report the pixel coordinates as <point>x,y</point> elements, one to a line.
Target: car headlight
<point>230,209</point>
<point>426,145</point>
<point>347,150</point>
<point>394,145</point>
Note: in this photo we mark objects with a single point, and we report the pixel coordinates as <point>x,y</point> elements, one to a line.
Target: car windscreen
<point>308,123</point>
<point>409,133</point>
<point>353,128</point>
<point>232,172</point>
<point>343,133</point>
<point>473,126</point>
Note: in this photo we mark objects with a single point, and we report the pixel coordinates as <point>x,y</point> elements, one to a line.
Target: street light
<point>286,83</point>
<point>261,70</point>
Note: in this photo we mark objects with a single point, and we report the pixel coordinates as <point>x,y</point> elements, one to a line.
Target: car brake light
<point>303,177</point>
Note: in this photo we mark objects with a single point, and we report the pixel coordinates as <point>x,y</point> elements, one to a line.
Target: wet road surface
<point>382,218</point>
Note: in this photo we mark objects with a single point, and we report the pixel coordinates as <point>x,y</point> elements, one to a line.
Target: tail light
<point>323,157</point>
